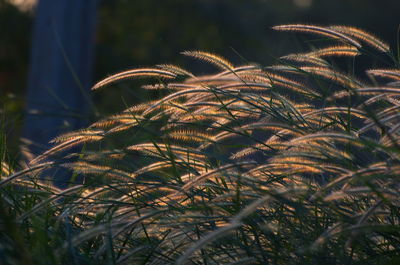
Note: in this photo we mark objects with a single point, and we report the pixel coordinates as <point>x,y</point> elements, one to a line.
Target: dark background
<point>147,32</point>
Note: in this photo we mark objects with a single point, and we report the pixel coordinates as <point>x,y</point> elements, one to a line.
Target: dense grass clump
<point>295,163</point>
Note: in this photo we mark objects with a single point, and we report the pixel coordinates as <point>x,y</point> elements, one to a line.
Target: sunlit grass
<point>296,163</point>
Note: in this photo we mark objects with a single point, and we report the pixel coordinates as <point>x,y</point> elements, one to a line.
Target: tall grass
<point>295,163</point>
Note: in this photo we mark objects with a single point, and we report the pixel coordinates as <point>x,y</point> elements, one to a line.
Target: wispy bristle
<point>175,69</point>
<point>212,58</point>
<point>387,73</point>
<point>318,30</point>
<point>138,73</point>
<point>305,58</point>
<point>364,36</point>
<point>191,136</point>
<point>81,134</point>
<point>343,50</point>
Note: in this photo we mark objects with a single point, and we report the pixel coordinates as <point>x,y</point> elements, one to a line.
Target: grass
<point>295,163</point>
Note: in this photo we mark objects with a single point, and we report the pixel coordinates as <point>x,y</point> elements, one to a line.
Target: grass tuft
<point>296,163</point>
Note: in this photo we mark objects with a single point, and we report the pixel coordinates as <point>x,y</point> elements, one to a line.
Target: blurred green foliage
<point>15,29</point>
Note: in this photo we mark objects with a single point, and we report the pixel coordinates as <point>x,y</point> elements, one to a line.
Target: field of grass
<point>293,163</point>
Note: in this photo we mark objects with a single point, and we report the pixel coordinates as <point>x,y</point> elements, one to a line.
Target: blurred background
<point>147,32</point>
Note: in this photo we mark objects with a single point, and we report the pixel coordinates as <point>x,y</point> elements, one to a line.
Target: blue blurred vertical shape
<point>60,70</point>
